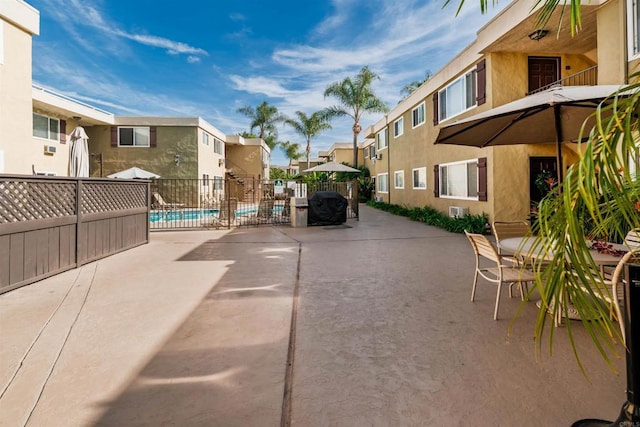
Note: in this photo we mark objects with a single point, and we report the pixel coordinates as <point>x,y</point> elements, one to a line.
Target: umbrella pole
<point>559,138</point>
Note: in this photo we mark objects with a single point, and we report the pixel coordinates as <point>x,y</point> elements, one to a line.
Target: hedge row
<point>430,216</point>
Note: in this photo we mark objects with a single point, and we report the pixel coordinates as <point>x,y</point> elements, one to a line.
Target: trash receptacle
<point>299,211</point>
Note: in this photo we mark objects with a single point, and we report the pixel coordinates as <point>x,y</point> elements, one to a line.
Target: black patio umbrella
<point>552,116</point>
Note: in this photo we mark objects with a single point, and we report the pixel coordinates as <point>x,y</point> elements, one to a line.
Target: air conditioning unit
<point>49,149</point>
<point>379,156</point>
<point>378,198</point>
<point>458,211</point>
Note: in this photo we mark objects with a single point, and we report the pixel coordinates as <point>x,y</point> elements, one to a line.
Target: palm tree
<point>413,86</point>
<point>264,117</point>
<point>291,151</point>
<point>309,127</point>
<point>355,97</point>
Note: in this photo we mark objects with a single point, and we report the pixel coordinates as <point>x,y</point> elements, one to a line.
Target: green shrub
<point>431,216</point>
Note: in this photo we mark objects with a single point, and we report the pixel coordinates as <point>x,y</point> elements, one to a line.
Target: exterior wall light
<point>538,34</point>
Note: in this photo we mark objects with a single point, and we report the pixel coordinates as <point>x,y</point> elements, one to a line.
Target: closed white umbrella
<point>79,161</point>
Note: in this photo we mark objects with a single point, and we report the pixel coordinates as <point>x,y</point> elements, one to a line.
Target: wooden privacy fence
<point>49,225</point>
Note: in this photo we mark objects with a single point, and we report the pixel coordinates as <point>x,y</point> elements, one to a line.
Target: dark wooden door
<point>543,71</point>
<point>538,166</point>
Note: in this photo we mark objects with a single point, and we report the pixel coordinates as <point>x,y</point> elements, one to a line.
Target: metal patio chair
<point>611,291</point>
<point>496,269</point>
<point>507,229</point>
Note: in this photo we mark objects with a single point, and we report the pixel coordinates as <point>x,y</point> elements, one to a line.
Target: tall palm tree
<point>264,118</point>
<point>355,97</point>
<point>309,127</point>
<point>291,151</point>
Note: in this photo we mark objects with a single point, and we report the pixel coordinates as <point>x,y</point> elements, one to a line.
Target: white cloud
<point>267,86</point>
<point>236,17</point>
<point>193,59</point>
<point>86,15</point>
<point>172,47</point>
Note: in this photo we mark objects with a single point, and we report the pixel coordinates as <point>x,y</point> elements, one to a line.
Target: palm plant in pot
<point>600,196</point>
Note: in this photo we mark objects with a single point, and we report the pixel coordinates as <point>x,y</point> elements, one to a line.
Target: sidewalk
<point>194,329</point>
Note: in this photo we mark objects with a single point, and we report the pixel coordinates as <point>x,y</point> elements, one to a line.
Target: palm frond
<point>600,194</point>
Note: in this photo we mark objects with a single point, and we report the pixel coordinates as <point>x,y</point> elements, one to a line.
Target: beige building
<point>341,152</point>
<point>300,165</point>
<point>36,123</point>
<point>172,147</point>
<point>18,23</point>
<point>507,61</point>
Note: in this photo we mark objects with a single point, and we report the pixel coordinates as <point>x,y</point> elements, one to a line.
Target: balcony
<point>588,77</point>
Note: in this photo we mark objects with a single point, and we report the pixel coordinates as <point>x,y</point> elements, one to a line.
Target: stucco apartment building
<point>341,152</point>
<point>36,123</point>
<point>506,61</point>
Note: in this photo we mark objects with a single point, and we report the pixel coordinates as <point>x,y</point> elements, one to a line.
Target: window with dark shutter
<point>63,131</point>
<point>482,179</point>
<point>435,109</point>
<point>114,136</point>
<point>481,73</point>
<point>436,180</point>
<point>152,137</point>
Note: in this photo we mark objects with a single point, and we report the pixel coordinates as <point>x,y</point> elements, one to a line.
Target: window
<point>205,138</point>
<point>418,115</point>
<point>372,151</point>
<point>633,27</point>
<point>398,126</point>
<point>383,183</point>
<point>133,137</point>
<point>382,139</point>
<point>398,179</point>
<point>459,96</point>
<point>419,178</point>
<point>218,183</point>
<point>217,145</point>
<point>46,127</point>
<point>366,152</point>
<point>459,180</point>
<point>205,179</point>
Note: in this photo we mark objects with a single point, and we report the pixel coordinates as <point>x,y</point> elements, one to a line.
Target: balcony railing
<point>588,77</point>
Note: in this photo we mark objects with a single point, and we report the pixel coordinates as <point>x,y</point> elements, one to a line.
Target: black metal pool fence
<point>234,202</point>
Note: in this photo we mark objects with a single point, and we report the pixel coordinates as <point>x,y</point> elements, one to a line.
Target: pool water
<point>196,214</point>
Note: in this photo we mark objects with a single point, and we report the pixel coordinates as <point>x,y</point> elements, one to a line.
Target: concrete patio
<point>195,329</point>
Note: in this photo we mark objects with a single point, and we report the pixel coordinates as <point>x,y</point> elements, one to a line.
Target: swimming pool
<point>201,214</point>
<point>183,214</point>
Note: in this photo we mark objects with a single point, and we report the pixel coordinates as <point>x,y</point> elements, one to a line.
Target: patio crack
<point>64,343</point>
<point>285,418</point>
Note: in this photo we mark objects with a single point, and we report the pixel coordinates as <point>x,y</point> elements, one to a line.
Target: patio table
<point>522,246</point>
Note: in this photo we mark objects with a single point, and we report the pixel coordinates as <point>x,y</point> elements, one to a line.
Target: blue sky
<point>209,58</point>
